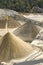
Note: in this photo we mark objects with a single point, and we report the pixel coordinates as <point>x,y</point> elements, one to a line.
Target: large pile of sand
<point>13,47</point>
<point>27,32</point>
<point>12,23</point>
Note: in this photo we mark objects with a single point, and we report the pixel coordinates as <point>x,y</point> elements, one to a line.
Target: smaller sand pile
<point>13,48</point>
<point>27,32</point>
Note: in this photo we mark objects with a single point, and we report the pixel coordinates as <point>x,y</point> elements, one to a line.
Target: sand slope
<point>13,47</point>
<point>27,32</point>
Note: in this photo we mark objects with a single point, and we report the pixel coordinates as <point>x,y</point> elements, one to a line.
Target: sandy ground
<point>37,59</point>
<point>36,17</point>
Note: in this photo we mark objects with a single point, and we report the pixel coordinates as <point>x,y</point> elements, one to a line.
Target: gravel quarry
<point>22,44</point>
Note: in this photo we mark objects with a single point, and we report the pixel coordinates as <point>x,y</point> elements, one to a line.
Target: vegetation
<point>20,5</point>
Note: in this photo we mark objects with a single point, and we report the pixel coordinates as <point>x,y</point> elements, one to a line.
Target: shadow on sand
<point>32,62</point>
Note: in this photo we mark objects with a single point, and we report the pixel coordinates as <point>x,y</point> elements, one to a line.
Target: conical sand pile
<point>27,32</point>
<point>11,23</point>
<point>13,48</point>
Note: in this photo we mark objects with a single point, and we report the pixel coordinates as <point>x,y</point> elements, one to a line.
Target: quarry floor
<point>38,60</point>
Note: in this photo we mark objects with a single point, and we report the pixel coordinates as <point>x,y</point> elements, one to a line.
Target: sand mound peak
<point>13,47</point>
